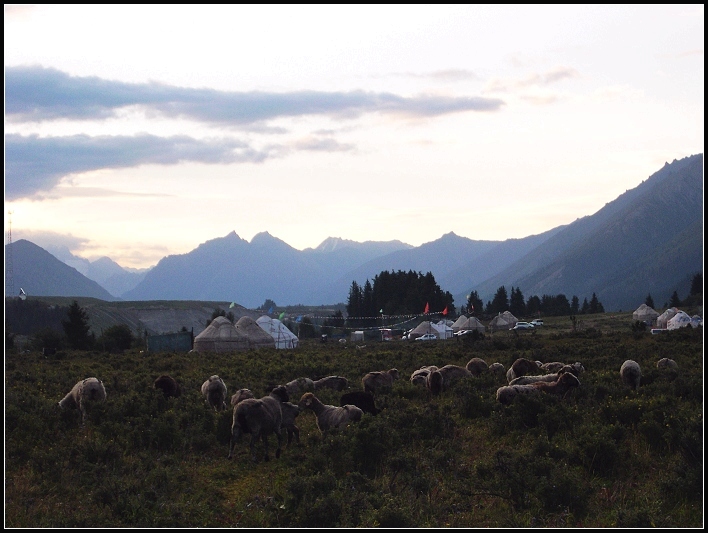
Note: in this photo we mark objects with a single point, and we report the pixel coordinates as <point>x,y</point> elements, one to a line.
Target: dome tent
<point>257,338</point>
<point>421,329</point>
<point>680,320</point>
<point>644,313</point>
<point>282,336</point>
<point>470,324</point>
<point>663,319</point>
<point>220,336</point>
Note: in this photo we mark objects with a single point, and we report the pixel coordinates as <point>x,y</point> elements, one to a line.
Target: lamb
<point>374,382</point>
<point>521,367</point>
<point>299,385</point>
<point>168,385</point>
<point>329,416</point>
<point>214,391</point>
<point>420,376</point>
<point>667,364</point>
<point>260,418</point>
<point>290,411</point>
<point>631,374</point>
<point>560,387</point>
<point>442,379</point>
<point>476,366</point>
<point>87,390</point>
<point>362,399</point>
<point>332,382</point>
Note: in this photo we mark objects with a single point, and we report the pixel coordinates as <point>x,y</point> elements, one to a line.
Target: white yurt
<point>442,330</point>
<point>220,336</point>
<point>679,320</point>
<point>470,324</point>
<point>663,319</point>
<point>284,338</point>
<point>644,313</point>
<point>257,338</point>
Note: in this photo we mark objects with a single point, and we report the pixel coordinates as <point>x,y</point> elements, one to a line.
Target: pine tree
<point>649,301</point>
<point>76,327</point>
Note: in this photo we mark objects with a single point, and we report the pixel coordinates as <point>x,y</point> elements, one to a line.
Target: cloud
<point>34,93</point>
<point>534,80</point>
<point>322,145</point>
<point>34,164</point>
<point>448,75</point>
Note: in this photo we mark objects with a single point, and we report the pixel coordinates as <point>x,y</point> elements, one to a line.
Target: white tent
<point>220,336</point>
<point>679,320</point>
<point>472,323</point>
<point>644,313</point>
<point>257,338</point>
<point>283,337</point>
<point>663,319</point>
<point>511,319</point>
<point>442,330</point>
<point>421,329</point>
<point>696,321</point>
<point>499,322</point>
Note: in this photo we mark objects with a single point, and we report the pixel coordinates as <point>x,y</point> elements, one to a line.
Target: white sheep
<point>497,368</point>
<point>477,366</point>
<point>442,379</point>
<point>337,383</point>
<point>297,386</point>
<point>631,373</point>
<point>667,364</point>
<point>575,369</point>
<point>214,391</point>
<point>86,390</point>
<point>420,376</point>
<point>521,367</point>
<point>374,382</point>
<point>240,395</point>
<point>260,418</point>
<point>330,416</point>
<point>560,387</point>
<point>555,366</point>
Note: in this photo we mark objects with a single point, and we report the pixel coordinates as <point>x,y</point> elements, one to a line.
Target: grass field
<point>605,456</point>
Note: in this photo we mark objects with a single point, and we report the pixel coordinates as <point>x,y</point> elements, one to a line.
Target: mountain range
<point>647,241</point>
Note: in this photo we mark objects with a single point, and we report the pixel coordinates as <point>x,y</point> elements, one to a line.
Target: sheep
<point>527,380</point>
<point>420,376</point>
<point>560,387</point>
<point>362,399</point>
<point>86,390</point>
<point>168,385</point>
<point>260,418</point>
<point>552,367</point>
<point>521,367</point>
<point>329,416</point>
<point>240,395</point>
<point>290,411</point>
<point>667,364</point>
<point>299,385</point>
<point>440,380</point>
<point>374,382</point>
<point>477,366</point>
<point>496,368</point>
<point>631,374</point>
<point>332,382</point>
<point>214,391</point>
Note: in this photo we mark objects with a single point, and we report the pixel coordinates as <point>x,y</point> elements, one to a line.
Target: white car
<point>537,322</point>
<point>523,325</point>
<point>428,337</point>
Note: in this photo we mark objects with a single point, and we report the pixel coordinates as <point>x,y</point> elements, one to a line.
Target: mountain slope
<point>38,272</point>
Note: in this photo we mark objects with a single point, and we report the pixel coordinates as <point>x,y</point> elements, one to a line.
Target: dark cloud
<point>36,94</point>
<point>34,164</point>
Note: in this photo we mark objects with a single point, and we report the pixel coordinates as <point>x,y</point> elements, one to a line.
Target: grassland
<point>606,456</point>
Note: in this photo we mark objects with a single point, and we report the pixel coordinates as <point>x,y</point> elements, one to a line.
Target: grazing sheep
<point>552,367</point>
<point>442,379</point>
<point>420,376</point>
<point>667,364</point>
<point>631,374</point>
<point>332,382</point>
<point>527,380</point>
<point>521,367</point>
<point>214,391</point>
<point>168,385</point>
<point>299,385</point>
<point>260,418</point>
<point>329,416</point>
<point>374,382</point>
<point>560,387</point>
<point>477,366</point>
<point>86,390</point>
<point>290,411</point>
<point>362,399</point>
<point>497,368</point>
<point>240,395</point>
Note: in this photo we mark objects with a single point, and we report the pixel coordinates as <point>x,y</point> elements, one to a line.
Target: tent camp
<point>220,336</point>
<point>257,338</point>
<point>284,338</point>
<point>471,324</point>
<point>442,330</point>
<point>680,320</point>
<point>644,313</point>
<point>503,321</point>
<point>663,319</point>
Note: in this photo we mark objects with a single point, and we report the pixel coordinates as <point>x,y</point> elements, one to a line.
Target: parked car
<point>462,333</point>
<point>523,325</point>
<point>428,337</point>
<point>537,322</point>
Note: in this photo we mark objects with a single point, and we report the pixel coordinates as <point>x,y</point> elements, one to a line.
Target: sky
<point>137,132</point>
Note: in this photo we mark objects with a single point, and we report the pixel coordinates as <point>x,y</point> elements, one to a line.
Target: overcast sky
<point>143,131</point>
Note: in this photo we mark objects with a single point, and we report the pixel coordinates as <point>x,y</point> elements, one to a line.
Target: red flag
<point>427,308</point>
<point>445,311</point>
